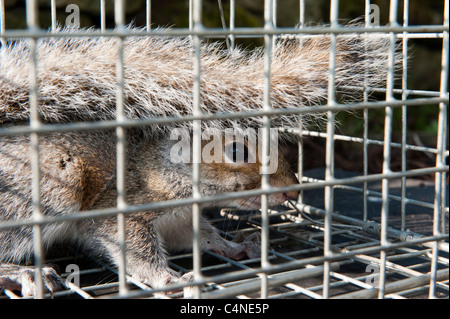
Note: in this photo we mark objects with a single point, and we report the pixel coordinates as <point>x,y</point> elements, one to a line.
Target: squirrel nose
<point>291,195</point>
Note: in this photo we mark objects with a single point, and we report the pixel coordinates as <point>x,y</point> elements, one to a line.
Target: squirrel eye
<point>237,152</point>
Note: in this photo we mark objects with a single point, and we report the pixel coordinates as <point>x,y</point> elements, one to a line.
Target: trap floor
<point>298,235</point>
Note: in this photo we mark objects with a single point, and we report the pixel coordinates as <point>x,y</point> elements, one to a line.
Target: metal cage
<point>359,235</point>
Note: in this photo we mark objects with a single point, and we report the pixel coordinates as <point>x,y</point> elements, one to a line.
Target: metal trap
<point>349,235</point>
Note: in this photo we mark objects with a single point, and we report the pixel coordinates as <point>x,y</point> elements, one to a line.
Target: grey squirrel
<point>77,83</point>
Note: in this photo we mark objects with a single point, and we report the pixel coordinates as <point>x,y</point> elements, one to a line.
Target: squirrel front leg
<point>145,255</point>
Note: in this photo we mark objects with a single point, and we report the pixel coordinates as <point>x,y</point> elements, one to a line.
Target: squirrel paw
<point>188,291</point>
<point>241,247</point>
<point>23,279</point>
<point>251,244</point>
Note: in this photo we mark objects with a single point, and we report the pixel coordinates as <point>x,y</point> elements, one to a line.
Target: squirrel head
<point>229,163</point>
<point>241,169</point>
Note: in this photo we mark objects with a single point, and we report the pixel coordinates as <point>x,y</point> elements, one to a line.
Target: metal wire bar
<point>121,149</point>
<point>387,148</point>
<point>274,280</point>
<point>196,145</point>
<point>224,24</point>
<point>105,125</point>
<point>53,14</point>
<point>219,32</point>
<point>232,37</point>
<point>2,21</point>
<point>404,108</point>
<point>301,24</point>
<point>266,140</point>
<point>443,113</point>
<point>148,16</point>
<point>440,158</point>
<point>354,139</point>
<point>32,24</point>
<point>102,16</point>
<point>366,121</point>
<point>395,286</point>
<point>329,159</point>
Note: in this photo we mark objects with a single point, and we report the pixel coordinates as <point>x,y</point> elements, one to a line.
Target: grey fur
<point>77,79</point>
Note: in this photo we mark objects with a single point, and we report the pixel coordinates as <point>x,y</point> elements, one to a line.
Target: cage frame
<point>268,274</point>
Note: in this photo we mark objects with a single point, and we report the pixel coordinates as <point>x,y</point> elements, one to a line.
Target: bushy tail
<point>77,77</point>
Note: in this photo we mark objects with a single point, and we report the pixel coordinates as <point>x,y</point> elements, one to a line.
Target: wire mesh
<point>365,235</point>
